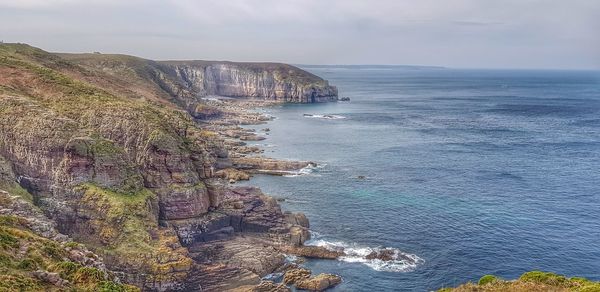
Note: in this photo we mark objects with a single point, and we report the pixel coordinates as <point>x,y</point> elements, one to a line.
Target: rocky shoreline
<point>135,161</point>
<point>268,236</point>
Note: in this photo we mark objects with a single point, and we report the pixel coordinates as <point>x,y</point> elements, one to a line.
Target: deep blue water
<point>475,172</point>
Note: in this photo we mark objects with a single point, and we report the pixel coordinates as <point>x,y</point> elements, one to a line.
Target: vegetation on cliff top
<point>29,262</point>
<point>59,121</point>
<point>529,282</point>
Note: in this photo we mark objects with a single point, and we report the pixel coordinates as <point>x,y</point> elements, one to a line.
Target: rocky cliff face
<point>270,81</point>
<point>105,150</point>
<point>186,82</point>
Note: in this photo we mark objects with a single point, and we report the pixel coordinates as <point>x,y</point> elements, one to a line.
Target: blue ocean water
<point>471,171</point>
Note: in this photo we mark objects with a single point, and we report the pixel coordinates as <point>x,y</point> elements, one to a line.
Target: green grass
<point>545,278</point>
<point>529,281</point>
<point>17,267</point>
<point>487,279</point>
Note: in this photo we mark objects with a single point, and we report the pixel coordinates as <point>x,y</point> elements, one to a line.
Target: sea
<point>461,172</point>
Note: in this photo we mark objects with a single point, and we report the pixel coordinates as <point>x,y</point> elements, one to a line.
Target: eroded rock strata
<point>125,156</point>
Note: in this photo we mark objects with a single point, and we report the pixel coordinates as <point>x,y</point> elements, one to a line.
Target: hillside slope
<point>110,155</point>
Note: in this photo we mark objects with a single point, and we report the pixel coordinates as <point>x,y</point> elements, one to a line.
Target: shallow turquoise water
<point>472,171</point>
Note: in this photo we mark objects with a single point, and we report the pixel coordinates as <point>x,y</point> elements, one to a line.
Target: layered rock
<point>320,282</point>
<point>34,256</point>
<point>273,81</point>
<point>103,146</point>
<point>301,278</point>
<point>105,167</point>
<point>185,83</point>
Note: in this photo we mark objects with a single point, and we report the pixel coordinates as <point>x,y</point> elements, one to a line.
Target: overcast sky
<point>455,33</point>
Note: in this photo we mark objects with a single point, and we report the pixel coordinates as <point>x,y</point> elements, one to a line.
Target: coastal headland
<point>116,173</point>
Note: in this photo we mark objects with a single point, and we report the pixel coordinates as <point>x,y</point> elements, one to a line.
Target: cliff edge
<point>105,147</point>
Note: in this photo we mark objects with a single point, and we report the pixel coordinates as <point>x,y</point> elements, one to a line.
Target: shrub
<point>66,269</point>
<point>544,278</point>
<point>7,240</point>
<point>107,286</point>
<point>18,283</point>
<point>72,244</point>
<point>52,250</point>
<point>27,264</point>
<point>590,287</point>
<point>5,260</point>
<point>88,275</point>
<point>488,279</point>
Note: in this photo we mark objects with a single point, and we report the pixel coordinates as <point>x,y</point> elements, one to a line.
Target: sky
<point>556,34</point>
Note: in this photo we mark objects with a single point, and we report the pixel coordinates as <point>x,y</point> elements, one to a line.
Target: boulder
<point>319,283</point>
<point>297,219</point>
<point>298,235</point>
<point>295,275</point>
<point>384,255</point>
<point>269,286</point>
<point>52,278</point>
<point>232,174</point>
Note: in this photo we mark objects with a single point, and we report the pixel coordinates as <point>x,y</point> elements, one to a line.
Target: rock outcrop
<point>34,256</point>
<point>315,252</point>
<point>301,278</point>
<point>185,83</point>
<point>273,81</point>
<point>320,282</point>
<point>112,151</point>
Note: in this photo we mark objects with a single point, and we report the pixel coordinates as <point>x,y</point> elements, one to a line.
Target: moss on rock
<point>20,271</point>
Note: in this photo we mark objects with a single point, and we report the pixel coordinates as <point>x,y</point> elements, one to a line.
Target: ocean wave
<point>326,117</point>
<point>265,145</point>
<point>400,262</point>
<point>308,170</point>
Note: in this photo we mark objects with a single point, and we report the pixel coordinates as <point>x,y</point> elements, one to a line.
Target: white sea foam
<point>308,170</point>
<point>326,117</point>
<point>272,276</point>
<point>401,262</point>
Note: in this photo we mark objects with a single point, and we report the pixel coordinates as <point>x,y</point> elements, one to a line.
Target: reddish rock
<point>319,283</point>
<point>295,275</point>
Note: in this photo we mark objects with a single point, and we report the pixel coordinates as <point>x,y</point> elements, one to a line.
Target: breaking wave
<point>308,170</point>
<point>400,262</point>
<point>326,117</point>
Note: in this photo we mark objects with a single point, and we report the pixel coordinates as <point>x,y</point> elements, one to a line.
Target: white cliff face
<point>275,82</point>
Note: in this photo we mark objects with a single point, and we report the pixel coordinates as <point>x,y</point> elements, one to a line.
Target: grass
<point>17,267</point>
<point>50,102</point>
<point>529,281</point>
<point>488,279</point>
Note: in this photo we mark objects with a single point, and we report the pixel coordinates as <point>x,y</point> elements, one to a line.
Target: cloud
<point>37,4</point>
<point>472,33</point>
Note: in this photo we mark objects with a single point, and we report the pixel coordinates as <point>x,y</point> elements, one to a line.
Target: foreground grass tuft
<point>528,282</point>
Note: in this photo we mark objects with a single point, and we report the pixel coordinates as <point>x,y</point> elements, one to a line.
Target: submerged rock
<point>384,255</point>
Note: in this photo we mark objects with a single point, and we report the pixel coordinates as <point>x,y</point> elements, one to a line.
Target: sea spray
<point>400,261</point>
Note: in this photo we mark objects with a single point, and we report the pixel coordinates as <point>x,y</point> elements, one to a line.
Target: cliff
<point>104,147</point>
<point>274,81</point>
<point>186,82</point>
